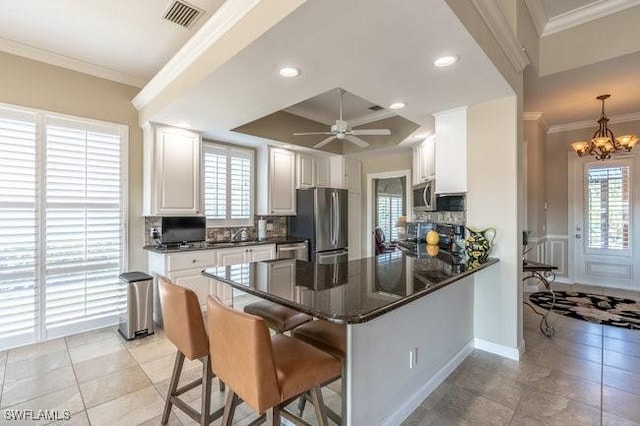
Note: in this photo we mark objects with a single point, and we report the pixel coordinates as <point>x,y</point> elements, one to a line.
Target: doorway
<point>389,194</point>
<point>604,222</point>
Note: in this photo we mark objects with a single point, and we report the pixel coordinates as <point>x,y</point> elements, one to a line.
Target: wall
<point>38,85</point>
<point>379,162</point>
<point>558,152</point>
<point>535,137</point>
<point>596,41</point>
<point>558,148</point>
<point>494,200</point>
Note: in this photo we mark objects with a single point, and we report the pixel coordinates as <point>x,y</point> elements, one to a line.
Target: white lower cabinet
<point>185,269</point>
<point>246,254</point>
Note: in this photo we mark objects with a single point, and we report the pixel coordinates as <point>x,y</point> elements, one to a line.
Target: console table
<point>546,275</point>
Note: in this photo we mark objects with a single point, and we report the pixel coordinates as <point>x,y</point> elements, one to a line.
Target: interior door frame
<point>576,164</point>
<point>406,173</point>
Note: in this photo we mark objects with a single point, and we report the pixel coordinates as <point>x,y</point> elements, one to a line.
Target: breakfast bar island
<point>409,321</point>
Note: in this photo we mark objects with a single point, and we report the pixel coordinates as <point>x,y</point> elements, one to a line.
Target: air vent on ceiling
<point>182,13</point>
<point>375,108</point>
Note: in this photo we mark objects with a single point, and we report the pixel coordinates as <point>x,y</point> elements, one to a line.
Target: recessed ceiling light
<point>397,105</point>
<point>289,72</point>
<point>445,61</point>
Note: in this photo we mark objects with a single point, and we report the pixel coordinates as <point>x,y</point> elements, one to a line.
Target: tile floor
<point>586,374</point>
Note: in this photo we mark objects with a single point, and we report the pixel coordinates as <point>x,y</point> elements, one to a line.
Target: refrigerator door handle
<point>334,219</point>
<point>338,230</point>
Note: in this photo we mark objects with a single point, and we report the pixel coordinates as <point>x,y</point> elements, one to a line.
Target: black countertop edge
<point>356,319</point>
<point>213,245</point>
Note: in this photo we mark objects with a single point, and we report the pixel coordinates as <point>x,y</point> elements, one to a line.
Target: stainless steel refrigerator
<point>322,217</point>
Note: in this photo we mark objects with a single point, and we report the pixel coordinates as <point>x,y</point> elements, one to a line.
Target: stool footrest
<point>188,387</point>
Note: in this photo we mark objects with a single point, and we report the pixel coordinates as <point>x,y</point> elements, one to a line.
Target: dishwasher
<point>298,251</point>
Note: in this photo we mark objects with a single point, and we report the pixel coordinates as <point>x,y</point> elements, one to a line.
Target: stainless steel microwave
<point>424,196</point>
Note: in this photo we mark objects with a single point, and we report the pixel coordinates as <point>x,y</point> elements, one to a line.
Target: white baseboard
<point>412,403</point>
<point>498,349</point>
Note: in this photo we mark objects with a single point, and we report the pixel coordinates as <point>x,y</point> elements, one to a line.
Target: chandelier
<point>603,142</point>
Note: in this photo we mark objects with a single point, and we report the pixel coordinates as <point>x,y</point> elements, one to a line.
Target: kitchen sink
<point>231,243</point>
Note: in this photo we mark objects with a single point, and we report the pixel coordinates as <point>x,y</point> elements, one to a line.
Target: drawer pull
<point>193,261</point>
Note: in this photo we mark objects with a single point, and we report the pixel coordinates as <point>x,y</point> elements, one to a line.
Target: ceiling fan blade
<point>324,142</point>
<point>312,133</point>
<point>356,140</point>
<point>371,132</point>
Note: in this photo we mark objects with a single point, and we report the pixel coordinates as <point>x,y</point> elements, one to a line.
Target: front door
<point>603,221</point>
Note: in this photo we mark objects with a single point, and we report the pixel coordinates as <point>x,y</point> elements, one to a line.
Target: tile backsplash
<point>280,225</point>
<point>454,218</point>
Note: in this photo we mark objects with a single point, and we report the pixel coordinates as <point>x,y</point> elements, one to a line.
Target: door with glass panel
<point>603,222</point>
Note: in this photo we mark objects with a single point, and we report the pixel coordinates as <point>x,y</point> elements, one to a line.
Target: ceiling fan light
<point>445,61</point>
<point>289,72</point>
<point>397,105</point>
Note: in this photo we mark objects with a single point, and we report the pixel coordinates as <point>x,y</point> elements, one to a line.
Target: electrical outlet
<point>154,233</point>
<point>269,226</point>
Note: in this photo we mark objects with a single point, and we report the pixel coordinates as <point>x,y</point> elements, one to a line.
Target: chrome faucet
<point>242,232</point>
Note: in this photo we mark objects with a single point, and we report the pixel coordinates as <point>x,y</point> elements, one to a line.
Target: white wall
<point>493,200</point>
<point>38,85</point>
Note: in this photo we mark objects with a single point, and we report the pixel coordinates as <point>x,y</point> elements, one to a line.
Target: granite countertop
<point>347,292</point>
<point>212,245</point>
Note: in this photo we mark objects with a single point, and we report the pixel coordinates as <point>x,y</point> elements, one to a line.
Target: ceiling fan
<point>341,130</point>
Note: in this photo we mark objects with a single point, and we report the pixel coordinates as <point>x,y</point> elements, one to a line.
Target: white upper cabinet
<point>323,171</point>
<point>312,170</point>
<point>346,173</point>
<point>306,170</point>
<point>424,161</point>
<point>276,182</point>
<point>171,171</point>
<point>451,151</point>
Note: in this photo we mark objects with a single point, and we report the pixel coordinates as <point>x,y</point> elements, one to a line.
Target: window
<point>389,210</point>
<point>607,206</point>
<point>62,225</point>
<point>228,185</point>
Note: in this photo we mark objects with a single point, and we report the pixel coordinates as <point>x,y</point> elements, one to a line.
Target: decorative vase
<point>478,244</point>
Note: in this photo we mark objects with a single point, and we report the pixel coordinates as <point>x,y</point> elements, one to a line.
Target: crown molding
<point>41,55</point>
<point>501,30</point>
<point>624,118</point>
<point>536,116</point>
<point>220,23</point>
<point>582,15</point>
<point>538,15</point>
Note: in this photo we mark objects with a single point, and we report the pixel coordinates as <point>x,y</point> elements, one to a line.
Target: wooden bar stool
<point>184,327</point>
<point>266,372</point>
<point>279,318</point>
<point>330,338</point>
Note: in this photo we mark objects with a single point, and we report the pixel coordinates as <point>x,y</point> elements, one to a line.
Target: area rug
<point>595,308</point>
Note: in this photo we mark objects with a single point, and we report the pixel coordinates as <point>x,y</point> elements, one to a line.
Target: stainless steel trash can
<point>137,320</point>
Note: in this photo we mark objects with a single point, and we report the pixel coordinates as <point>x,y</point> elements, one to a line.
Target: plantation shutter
<point>389,210</point>
<point>228,185</point>
<point>607,205</point>
<point>84,227</point>
<point>19,241</point>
